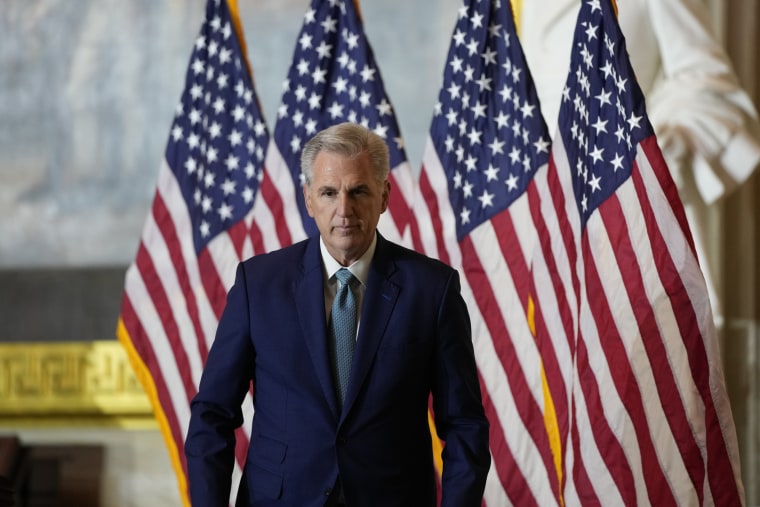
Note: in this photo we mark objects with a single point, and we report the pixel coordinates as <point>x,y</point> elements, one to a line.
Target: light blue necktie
<point>343,331</point>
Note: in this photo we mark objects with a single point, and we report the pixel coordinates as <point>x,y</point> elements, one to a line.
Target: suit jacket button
<point>342,440</point>
<point>328,491</point>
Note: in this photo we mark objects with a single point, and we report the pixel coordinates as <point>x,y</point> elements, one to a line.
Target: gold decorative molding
<point>60,383</point>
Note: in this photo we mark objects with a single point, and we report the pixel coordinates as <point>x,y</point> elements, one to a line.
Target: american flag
<point>333,78</point>
<point>486,142</point>
<point>197,230</point>
<point>649,420</point>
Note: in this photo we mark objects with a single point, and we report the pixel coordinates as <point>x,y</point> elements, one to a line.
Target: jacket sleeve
<point>215,411</point>
<point>459,415</point>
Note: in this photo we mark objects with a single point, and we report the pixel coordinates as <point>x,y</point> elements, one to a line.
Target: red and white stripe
<point>494,263</point>
<point>172,303</point>
<point>649,420</point>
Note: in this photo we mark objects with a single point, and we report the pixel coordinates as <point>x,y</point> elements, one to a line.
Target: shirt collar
<point>360,268</point>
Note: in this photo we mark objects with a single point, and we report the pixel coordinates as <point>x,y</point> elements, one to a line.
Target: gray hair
<point>350,140</point>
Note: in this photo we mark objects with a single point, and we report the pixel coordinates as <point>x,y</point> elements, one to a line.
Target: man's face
<point>346,201</point>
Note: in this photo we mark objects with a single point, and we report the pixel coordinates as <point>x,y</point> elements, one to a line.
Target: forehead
<point>336,166</point>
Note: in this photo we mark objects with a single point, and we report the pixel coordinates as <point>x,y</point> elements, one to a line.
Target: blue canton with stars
<point>487,125</point>
<point>333,79</point>
<point>218,139</point>
<point>602,117</point>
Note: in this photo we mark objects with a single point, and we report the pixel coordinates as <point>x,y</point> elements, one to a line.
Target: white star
<point>489,56</point>
<point>295,144</point>
<point>451,116</point>
<point>459,35</point>
<point>352,40</point>
<point>381,130</point>
<point>303,67</point>
<point>211,155</point>
<point>464,216</point>
<point>206,204</point>
<point>329,24</point>
<point>247,194</point>
<point>323,50</point>
<point>218,105</point>
<point>384,108</point>
<point>340,85</point>
<point>467,189</point>
<point>228,187</point>
<point>486,199</point>
<point>477,20</point>
<point>596,154</point>
<point>491,173</point>
<point>542,145</point>
<point>594,183</point>
<point>318,76</point>
<point>215,130</point>
<point>620,134</point>
<point>197,67</point>
<point>225,56</point>
<point>335,110</point>
<point>484,83</point>
<point>305,41</point>
<point>456,64</point>
<point>193,141</point>
<point>368,74</point>
<point>225,211</point>
<point>502,120</point>
<point>479,110</point>
<point>617,162</point>
<point>471,163</point>
<point>527,109</point>
<point>196,91</point>
<point>633,121</point>
<point>314,100</point>
<point>235,138</point>
<point>494,30</point>
<point>496,146</point>
<point>511,182</point>
<point>514,155</point>
<point>300,93</point>
<point>600,125</point>
<point>474,136</point>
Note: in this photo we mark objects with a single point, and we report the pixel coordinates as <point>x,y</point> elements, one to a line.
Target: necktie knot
<point>346,277</point>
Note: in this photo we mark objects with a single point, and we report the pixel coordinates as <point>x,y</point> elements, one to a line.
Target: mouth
<point>345,229</point>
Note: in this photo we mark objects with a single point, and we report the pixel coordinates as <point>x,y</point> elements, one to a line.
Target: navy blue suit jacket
<point>414,340</point>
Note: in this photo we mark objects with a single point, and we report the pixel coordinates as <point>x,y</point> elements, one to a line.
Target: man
<point>324,433</point>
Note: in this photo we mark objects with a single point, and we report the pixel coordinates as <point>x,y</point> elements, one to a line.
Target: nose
<point>343,204</point>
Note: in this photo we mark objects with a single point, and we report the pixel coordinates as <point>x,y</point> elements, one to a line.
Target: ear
<point>386,196</point>
<point>307,200</point>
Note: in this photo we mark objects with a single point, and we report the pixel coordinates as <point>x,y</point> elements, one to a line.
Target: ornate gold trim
<point>73,383</point>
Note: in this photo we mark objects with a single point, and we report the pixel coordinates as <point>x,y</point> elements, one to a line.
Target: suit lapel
<point>379,300</point>
<point>308,292</point>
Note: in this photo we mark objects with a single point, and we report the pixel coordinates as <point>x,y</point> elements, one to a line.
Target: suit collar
<point>379,302</point>
<point>380,299</point>
<point>308,292</point>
